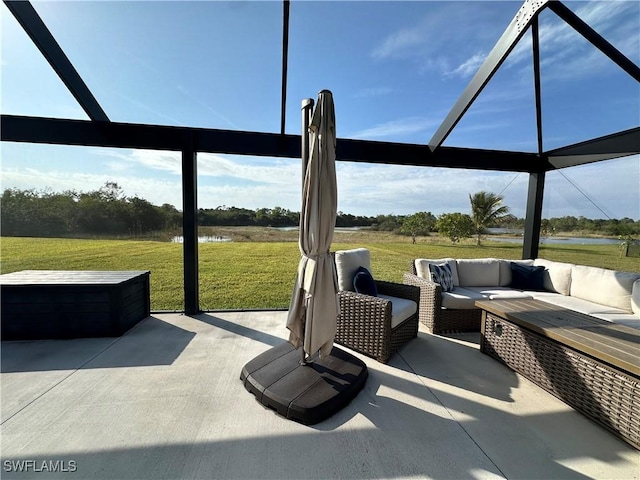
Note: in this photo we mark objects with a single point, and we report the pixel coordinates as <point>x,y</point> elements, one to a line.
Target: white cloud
<point>446,34</point>
<point>396,128</point>
<point>469,67</point>
<point>400,43</point>
<point>271,171</point>
<point>262,171</point>
<point>613,185</point>
<point>366,189</point>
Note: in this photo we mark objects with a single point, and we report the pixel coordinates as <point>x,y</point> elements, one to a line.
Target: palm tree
<point>485,210</point>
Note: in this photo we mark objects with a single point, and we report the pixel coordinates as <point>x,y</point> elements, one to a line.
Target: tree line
<point>108,211</point>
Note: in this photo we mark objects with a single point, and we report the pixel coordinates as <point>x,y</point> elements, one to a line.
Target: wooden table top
<point>69,277</point>
<point>617,345</point>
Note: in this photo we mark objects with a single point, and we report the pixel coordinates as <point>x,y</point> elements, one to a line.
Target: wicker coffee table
<point>590,364</point>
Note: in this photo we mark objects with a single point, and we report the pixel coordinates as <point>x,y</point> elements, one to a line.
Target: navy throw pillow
<point>442,275</point>
<point>527,277</point>
<point>363,282</point>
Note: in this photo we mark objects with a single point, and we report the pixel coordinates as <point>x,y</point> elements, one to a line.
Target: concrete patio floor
<point>166,401</point>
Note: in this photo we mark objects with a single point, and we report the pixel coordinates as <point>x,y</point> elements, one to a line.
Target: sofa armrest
<point>353,303</point>
<point>430,298</point>
<point>400,290</point>
<point>430,292</point>
<point>364,324</point>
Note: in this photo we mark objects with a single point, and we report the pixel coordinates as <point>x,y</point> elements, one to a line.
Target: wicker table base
<point>605,393</point>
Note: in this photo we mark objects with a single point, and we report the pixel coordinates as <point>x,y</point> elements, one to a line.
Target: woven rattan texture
<point>364,324</point>
<point>436,318</point>
<point>601,392</point>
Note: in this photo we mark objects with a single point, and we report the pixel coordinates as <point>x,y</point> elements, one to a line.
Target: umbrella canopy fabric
<point>314,305</point>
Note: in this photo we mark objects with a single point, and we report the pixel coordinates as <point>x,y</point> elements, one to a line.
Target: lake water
<point>562,240</point>
<point>337,229</point>
<point>494,234</point>
<point>202,239</point>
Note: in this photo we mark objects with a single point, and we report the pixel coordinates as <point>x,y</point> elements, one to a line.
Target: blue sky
<point>395,69</point>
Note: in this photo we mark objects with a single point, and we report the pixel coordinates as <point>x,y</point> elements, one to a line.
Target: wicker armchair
<point>431,313</point>
<point>365,322</point>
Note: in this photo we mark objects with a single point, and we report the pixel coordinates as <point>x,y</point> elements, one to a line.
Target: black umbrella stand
<point>304,392</point>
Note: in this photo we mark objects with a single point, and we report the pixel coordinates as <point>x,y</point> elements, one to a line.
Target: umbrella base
<point>305,393</point>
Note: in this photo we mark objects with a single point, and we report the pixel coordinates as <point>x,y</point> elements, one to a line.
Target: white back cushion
<point>607,287</point>
<point>635,297</point>
<point>557,275</point>
<point>478,272</point>
<point>348,262</point>
<point>422,268</point>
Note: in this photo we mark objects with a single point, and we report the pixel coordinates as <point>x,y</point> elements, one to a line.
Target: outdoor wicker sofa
<point>373,325</point>
<point>606,294</point>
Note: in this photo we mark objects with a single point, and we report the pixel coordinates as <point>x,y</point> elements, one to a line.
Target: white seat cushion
<point>635,297</point>
<point>573,303</point>
<point>461,299</point>
<point>626,319</point>
<point>500,293</point>
<point>401,309</point>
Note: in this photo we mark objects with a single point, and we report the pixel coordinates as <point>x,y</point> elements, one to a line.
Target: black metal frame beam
<point>31,22</point>
<point>153,137</point>
<point>616,145</point>
<point>533,217</point>
<point>190,229</point>
<point>285,57</point>
<point>447,157</point>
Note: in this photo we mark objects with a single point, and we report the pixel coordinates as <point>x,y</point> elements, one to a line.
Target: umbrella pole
<point>307,112</point>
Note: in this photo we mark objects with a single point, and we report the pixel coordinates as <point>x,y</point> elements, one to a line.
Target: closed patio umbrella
<point>314,304</point>
<point>282,377</point>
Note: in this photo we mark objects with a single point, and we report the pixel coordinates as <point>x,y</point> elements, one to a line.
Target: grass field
<point>259,271</point>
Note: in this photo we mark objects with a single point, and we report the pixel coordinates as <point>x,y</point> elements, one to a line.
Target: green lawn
<point>254,275</point>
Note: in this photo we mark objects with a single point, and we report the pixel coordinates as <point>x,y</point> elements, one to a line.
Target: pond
<point>202,239</point>
<point>336,229</point>
<point>495,232</point>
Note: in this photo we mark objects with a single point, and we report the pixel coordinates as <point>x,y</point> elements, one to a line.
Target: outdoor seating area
<point>166,401</point>
<point>450,303</point>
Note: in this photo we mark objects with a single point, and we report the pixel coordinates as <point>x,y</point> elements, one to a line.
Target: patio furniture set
<point>605,294</point>
<point>571,329</point>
